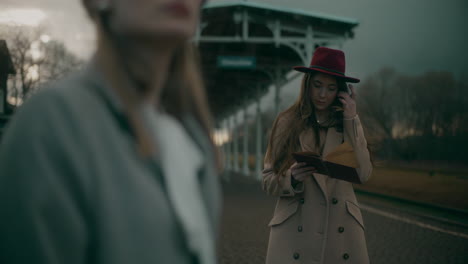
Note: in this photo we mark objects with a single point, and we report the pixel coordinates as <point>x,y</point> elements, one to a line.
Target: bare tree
<point>35,59</point>
<point>439,104</point>
<point>19,40</point>
<point>59,61</point>
<point>380,102</point>
<point>416,117</point>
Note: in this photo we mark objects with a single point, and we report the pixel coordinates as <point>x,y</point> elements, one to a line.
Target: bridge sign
<point>237,62</point>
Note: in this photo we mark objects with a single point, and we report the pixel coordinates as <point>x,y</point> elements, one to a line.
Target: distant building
<point>6,68</point>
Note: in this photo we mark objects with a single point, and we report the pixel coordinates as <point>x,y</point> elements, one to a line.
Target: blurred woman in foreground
<point>115,164</point>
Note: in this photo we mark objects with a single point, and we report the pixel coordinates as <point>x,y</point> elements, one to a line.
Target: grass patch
<point>445,188</point>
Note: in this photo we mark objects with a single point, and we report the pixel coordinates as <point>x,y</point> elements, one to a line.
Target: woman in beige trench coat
<point>317,219</point>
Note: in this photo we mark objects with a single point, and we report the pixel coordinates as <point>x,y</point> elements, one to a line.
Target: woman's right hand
<point>300,171</point>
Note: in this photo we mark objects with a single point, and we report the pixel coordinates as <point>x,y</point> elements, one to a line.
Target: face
<point>324,89</point>
<point>175,19</point>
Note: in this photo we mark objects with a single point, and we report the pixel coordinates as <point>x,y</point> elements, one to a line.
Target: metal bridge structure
<point>248,48</point>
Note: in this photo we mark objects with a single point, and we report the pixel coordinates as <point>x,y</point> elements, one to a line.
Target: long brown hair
<point>183,95</point>
<point>284,138</point>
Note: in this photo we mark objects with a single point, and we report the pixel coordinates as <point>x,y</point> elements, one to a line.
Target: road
<point>394,235</point>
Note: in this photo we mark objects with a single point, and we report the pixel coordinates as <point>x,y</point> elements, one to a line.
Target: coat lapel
<point>332,140</point>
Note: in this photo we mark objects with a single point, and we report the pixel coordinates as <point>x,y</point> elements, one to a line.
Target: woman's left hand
<point>349,102</point>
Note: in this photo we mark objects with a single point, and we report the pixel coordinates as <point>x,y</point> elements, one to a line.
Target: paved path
<point>393,236</point>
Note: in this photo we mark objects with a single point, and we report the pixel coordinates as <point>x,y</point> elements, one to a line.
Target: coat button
<point>296,256</point>
<point>334,201</point>
<point>341,229</point>
<point>301,200</point>
<point>346,256</point>
<point>299,228</point>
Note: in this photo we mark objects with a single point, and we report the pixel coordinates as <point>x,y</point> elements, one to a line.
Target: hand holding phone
<point>349,102</point>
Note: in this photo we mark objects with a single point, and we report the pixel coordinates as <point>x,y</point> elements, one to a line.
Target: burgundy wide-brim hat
<point>329,61</point>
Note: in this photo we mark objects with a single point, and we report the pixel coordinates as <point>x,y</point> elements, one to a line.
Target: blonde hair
<point>182,95</point>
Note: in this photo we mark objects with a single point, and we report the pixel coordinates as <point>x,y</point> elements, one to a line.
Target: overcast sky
<point>412,36</point>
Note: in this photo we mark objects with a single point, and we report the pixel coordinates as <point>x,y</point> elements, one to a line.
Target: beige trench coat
<point>320,220</point>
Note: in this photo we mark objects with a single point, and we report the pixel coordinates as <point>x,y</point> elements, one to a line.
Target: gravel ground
<point>247,211</point>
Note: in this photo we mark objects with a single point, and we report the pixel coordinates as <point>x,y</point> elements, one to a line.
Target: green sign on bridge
<point>237,62</point>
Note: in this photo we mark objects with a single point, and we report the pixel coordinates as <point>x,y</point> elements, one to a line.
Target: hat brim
<point>341,76</point>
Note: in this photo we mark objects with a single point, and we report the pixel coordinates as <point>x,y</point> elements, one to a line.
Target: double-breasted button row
<point>334,201</point>
<point>341,229</point>
<point>296,255</point>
